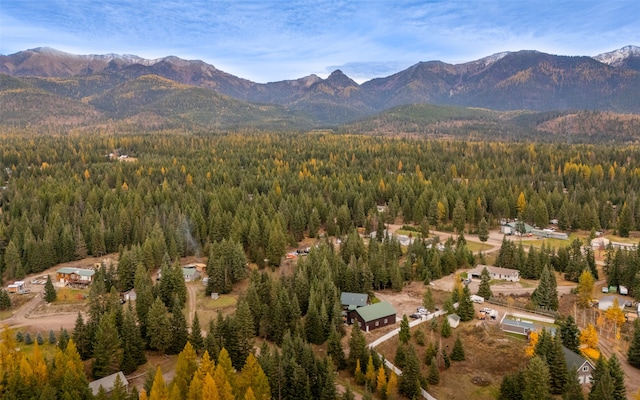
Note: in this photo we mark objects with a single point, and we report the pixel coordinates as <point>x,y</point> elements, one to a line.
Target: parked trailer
<point>623,290</point>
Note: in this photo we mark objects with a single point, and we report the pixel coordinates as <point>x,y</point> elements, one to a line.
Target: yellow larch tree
<point>159,389</point>
<point>207,366</point>
<point>381,381</point>
<point>210,390</point>
<point>253,378</point>
<point>195,388</point>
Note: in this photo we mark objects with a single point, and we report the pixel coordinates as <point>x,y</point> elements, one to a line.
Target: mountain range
<point>58,87</point>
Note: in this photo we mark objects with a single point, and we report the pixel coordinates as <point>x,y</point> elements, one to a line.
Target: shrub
<point>27,338</point>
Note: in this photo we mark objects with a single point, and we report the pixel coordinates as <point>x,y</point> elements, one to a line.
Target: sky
<point>272,40</point>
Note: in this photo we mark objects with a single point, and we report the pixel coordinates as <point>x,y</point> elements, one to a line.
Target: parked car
<point>415,316</point>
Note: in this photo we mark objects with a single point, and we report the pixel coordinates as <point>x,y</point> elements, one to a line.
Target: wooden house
<point>375,316</point>
<point>350,302</point>
<point>68,275</point>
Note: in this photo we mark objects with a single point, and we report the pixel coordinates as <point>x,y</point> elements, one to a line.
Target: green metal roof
<point>77,271</point>
<point>376,311</point>
<point>354,299</point>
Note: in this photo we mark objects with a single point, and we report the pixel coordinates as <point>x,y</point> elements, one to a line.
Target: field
<point>208,308</point>
<point>489,356</point>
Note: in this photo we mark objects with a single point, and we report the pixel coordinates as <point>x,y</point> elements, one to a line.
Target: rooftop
<point>77,271</point>
<point>376,311</point>
<point>108,382</point>
<point>574,360</point>
<point>354,299</point>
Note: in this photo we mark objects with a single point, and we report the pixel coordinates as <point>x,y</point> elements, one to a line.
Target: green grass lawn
<point>552,243</point>
<point>408,233</point>
<point>619,239</point>
<point>477,247</point>
<point>208,308</point>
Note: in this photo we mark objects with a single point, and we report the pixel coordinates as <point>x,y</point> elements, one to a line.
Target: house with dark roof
<point>582,365</point>
<point>375,316</point>
<point>108,383</point>
<point>350,302</point>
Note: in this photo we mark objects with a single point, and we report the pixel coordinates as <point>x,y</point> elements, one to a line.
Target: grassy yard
<point>619,239</point>
<point>68,295</point>
<point>553,243</point>
<point>208,308</point>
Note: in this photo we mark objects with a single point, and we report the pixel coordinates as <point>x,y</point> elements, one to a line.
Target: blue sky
<point>270,40</point>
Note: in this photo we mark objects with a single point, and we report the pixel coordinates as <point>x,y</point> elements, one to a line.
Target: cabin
<point>190,273</point>
<point>375,316</point>
<point>497,273</point>
<point>108,383</point>
<point>582,365</point>
<point>79,276</point>
<point>512,228</point>
<point>350,302</point>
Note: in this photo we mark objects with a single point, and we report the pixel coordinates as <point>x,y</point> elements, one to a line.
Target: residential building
<point>375,316</point>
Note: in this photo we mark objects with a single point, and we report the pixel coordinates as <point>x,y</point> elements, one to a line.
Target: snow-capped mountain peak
<point>613,57</point>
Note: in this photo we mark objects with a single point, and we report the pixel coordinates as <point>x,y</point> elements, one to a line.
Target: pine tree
<point>433,376</point>
<point>334,349</point>
<point>106,347</point>
<point>573,388</point>
<point>252,377</point>
<point>483,230</point>
<point>570,334</point>
<point>546,294</point>
<point>457,354</point>
<point>602,385</point>
<point>158,327</point>
<point>633,354</point>
<point>536,380</point>
<point>617,376</point>
<point>178,328</point>
<point>465,306</point>
<point>484,290</point>
<point>445,331</point>
<point>409,384</point>
<point>49,291</point>
<point>557,367</point>
<point>5,300</point>
<point>195,337</point>
<point>427,300</point>
<point>80,337</point>
<point>132,344</point>
<point>357,347</point>
<point>512,386</point>
<point>405,334</point>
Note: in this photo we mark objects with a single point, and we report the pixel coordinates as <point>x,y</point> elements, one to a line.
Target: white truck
<point>623,290</point>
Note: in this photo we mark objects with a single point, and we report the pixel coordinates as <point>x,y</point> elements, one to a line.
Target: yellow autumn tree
<point>253,378</point>
<point>210,390</point>
<point>225,365</point>
<point>185,368</point>
<point>531,347</point>
<point>615,316</point>
<point>207,366</point>
<point>381,381</point>
<point>521,204</point>
<point>159,389</point>
<point>392,385</point>
<point>225,390</point>
<point>589,336</point>
<point>585,288</point>
<point>195,388</point>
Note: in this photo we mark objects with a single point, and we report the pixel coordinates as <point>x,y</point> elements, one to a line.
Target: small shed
<point>454,320</point>
<point>130,295</point>
<point>108,383</point>
<point>375,316</point>
<point>581,364</point>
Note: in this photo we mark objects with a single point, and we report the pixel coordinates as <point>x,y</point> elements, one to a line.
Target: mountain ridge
<point>520,80</point>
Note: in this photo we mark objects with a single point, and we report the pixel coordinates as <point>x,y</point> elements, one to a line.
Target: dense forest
<point>240,198</point>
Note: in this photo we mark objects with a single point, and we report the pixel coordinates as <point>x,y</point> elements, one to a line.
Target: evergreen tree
<point>557,367</point>
<point>536,380</point>
<point>334,349</point>
<point>178,329</point>
<point>570,334</point>
<point>512,386</point>
<point>484,290</point>
<point>602,387</point>
<point>573,388</point>
<point>80,338</point>
<point>5,300</point>
<point>144,297</point>
<point>52,337</point>
<point>617,377</point>
<point>433,376</point>
<point>457,354</point>
<point>546,294</point>
<point>427,300</point>
<point>63,339</point>
<point>445,331</point>
<point>245,331</point>
<point>357,348</point>
<point>133,353</point>
<point>195,337</point>
<point>633,354</point>
<point>106,350</point>
<point>483,230</point>
<point>405,333</point>
<point>49,291</point>
<point>409,384</point>
<point>465,305</point>
<point>158,327</point>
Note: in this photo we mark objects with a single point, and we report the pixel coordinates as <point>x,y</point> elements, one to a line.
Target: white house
<point>503,274</point>
<point>454,320</point>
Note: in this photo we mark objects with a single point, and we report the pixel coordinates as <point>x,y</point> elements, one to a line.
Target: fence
<point>542,311</point>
